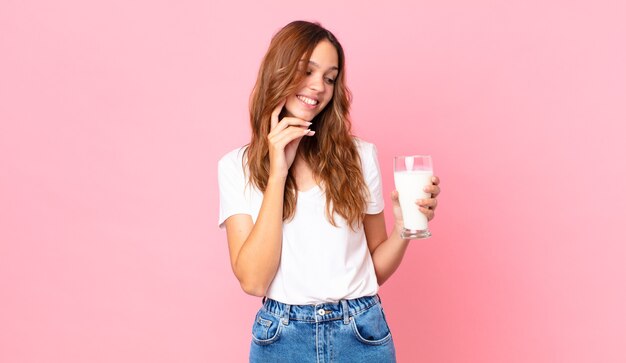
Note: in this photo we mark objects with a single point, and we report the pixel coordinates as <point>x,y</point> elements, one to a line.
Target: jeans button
<point>321,312</point>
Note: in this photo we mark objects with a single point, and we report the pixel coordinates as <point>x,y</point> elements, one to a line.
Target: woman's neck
<point>303,174</point>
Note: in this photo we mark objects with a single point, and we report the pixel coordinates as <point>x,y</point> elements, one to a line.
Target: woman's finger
<point>275,113</point>
<point>429,213</point>
<point>427,207</point>
<point>433,190</point>
<point>290,121</point>
<point>283,138</point>
<point>430,203</point>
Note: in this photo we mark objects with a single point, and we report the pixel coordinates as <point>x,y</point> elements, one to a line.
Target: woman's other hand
<point>426,206</point>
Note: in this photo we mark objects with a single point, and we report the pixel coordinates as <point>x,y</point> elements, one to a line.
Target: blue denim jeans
<point>344,332</point>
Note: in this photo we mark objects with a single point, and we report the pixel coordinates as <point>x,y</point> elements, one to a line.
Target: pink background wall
<point>113,115</point>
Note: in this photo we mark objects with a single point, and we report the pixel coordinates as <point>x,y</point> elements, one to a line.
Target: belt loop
<point>285,318</point>
<point>346,311</point>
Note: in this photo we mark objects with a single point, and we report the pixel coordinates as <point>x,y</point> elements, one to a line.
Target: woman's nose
<point>317,83</point>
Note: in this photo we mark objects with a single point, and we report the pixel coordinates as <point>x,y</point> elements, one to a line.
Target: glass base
<point>415,233</point>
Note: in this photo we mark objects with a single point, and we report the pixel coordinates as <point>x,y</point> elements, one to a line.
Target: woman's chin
<point>306,116</point>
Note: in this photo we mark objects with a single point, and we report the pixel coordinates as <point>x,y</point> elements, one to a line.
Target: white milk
<point>410,186</point>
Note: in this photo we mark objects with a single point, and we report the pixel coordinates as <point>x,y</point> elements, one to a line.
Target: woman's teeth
<point>307,100</point>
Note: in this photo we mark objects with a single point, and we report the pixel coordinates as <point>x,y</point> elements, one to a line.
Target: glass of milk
<point>411,175</point>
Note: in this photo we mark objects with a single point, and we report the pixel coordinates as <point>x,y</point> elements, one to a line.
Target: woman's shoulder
<point>234,155</point>
<point>364,147</point>
<point>232,161</point>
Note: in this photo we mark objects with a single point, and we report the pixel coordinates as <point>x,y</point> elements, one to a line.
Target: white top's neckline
<point>311,189</point>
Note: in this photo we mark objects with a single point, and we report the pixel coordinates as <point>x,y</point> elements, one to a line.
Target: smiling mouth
<point>308,101</point>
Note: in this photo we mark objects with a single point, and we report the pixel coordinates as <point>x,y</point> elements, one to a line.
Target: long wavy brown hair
<point>332,153</point>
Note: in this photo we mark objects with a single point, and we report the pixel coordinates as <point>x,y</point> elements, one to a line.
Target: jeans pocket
<point>266,328</point>
<point>370,326</point>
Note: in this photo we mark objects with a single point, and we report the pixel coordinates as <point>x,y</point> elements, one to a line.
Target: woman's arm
<point>387,252</point>
<point>255,248</point>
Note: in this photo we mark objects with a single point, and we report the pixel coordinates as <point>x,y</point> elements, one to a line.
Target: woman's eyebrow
<point>333,68</point>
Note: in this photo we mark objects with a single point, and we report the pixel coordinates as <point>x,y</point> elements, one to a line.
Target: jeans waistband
<point>327,311</point>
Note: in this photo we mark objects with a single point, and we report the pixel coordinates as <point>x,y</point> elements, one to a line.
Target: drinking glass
<point>411,175</point>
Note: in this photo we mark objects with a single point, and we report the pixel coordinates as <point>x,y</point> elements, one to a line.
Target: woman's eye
<point>308,73</point>
<point>330,81</point>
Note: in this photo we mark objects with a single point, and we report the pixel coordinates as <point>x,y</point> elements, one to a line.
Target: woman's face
<point>316,89</point>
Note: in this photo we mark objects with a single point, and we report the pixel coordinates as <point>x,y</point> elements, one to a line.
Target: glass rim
<point>413,156</point>
<point>424,161</point>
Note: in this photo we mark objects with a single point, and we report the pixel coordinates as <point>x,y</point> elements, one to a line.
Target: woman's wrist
<point>397,230</point>
<point>276,180</point>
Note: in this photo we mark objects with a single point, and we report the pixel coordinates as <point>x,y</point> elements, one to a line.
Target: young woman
<point>303,209</point>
